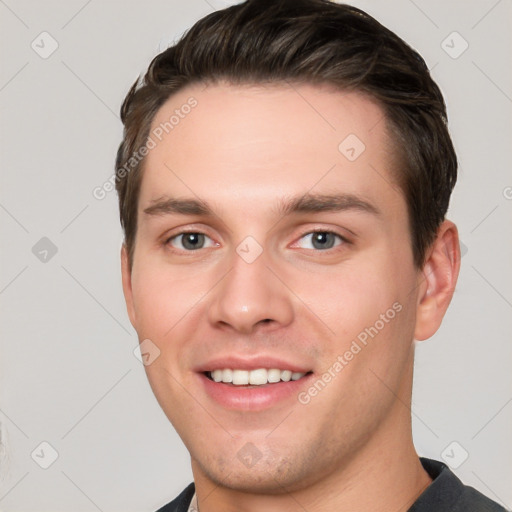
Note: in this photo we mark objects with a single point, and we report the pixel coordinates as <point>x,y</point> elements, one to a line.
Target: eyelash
<point>344,240</point>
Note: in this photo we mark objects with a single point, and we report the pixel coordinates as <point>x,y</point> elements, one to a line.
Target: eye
<point>321,240</point>
<point>190,241</point>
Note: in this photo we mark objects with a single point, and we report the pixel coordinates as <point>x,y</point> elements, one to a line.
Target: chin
<point>249,471</point>
<point>249,480</point>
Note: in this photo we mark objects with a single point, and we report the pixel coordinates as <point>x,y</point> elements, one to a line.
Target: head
<point>268,122</point>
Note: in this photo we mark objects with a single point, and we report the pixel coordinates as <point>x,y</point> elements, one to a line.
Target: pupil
<point>192,240</point>
<point>323,240</point>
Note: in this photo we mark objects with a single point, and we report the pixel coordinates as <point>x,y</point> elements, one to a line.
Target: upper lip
<point>251,363</point>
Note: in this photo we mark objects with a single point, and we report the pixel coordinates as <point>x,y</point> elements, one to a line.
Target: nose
<point>249,297</point>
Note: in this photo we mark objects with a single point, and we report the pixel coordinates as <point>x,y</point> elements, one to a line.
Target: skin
<point>244,150</point>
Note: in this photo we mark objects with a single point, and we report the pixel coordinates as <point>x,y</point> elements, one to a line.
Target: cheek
<point>366,308</point>
<point>349,298</point>
<point>163,296</point>
<point>166,304</point>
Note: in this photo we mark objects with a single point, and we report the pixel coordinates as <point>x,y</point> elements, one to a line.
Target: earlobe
<point>126,275</point>
<point>439,277</point>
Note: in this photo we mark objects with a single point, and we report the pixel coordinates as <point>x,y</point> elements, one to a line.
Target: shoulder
<point>471,500</point>
<point>180,503</point>
<point>448,493</point>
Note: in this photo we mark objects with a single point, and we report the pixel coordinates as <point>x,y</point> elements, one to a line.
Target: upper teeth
<point>255,377</point>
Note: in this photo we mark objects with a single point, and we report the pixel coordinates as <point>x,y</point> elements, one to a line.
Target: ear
<point>127,285</point>
<point>437,281</point>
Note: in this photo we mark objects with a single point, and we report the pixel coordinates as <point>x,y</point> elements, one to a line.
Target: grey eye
<point>321,240</point>
<point>189,241</point>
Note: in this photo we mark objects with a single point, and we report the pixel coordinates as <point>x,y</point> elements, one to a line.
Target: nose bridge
<point>250,293</point>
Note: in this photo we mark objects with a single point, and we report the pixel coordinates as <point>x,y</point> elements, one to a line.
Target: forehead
<point>251,143</point>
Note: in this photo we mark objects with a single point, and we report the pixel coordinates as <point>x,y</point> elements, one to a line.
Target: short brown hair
<point>314,42</point>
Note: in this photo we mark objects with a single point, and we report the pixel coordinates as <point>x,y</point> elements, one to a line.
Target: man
<point>283,181</point>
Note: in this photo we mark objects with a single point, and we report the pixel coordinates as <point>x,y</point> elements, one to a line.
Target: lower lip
<point>252,398</point>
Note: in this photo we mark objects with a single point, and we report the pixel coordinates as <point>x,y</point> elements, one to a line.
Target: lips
<point>252,363</point>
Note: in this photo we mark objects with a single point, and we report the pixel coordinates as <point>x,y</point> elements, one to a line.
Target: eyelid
<point>181,230</point>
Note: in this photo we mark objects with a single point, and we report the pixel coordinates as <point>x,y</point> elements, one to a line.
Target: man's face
<point>251,286</point>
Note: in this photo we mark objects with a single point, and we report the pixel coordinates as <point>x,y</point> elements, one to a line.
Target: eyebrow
<point>306,203</point>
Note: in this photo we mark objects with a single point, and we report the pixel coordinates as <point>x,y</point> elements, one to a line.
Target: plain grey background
<point>68,374</point>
